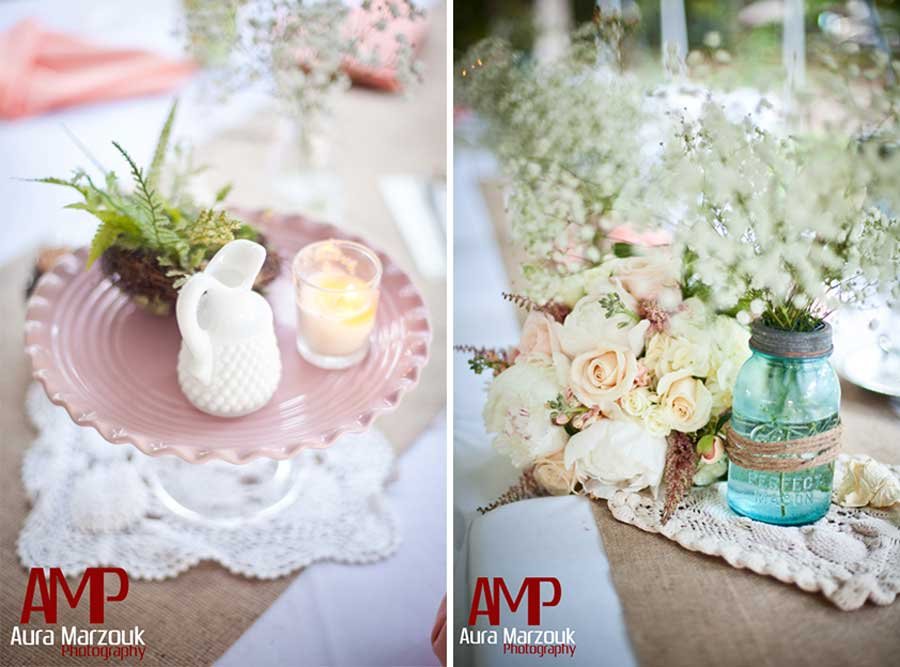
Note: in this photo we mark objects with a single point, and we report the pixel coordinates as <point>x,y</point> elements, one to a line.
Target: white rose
<point>603,375</point>
<point>685,401</point>
<point>616,454</point>
<point>652,276</point>
<point>655,422</point>
<point>516,412</point>
<point>589,324</point>
<point>637,401</point>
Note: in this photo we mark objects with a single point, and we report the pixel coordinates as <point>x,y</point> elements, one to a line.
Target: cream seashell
<point>864,481</point>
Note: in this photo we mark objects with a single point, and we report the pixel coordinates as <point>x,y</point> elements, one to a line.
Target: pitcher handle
<point>195,337</point>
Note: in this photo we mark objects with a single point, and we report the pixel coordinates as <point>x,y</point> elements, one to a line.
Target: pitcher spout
<point>237,264</point>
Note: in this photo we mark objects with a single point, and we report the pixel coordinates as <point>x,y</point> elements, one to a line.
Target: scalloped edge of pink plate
<point>418,340</point>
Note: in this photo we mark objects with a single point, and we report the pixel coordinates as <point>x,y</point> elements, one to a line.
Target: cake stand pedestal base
<point>212,494</point>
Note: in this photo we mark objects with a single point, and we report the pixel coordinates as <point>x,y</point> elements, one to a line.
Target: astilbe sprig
<point>678,476</point>
<point>555,309</point>
<point>527,487</point>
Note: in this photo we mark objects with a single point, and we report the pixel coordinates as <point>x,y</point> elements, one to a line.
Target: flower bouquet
<point>625,388</point>
<point>624,375</point>
<point>155,236</point>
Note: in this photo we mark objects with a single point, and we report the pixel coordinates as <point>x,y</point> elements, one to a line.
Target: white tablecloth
<point>545,537</point>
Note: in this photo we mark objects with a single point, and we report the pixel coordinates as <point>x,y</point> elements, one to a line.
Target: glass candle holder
<point>336,290</point>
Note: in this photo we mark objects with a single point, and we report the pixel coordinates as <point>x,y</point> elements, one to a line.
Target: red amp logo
<point>534,593</point>
<point>488,593</point>
<point>47,590</point>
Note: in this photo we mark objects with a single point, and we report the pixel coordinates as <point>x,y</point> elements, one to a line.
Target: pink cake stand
<point>113,368</point>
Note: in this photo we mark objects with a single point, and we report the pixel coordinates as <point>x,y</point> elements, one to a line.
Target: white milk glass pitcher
<point>229,364</point>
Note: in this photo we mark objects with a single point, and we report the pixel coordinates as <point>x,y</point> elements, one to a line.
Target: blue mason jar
<point>786,390</point>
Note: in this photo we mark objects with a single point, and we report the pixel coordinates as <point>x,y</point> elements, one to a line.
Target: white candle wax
<point>336,313</point>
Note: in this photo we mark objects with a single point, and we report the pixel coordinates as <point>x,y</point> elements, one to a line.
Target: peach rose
<point>539,338</point>
<point>685,401</point>
<point>603,375</point>
<point>551,473</point>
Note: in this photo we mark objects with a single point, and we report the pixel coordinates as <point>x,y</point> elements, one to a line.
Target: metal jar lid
<point>791,344</point>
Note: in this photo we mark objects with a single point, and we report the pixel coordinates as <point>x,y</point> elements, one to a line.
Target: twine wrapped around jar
<point>785,455</point>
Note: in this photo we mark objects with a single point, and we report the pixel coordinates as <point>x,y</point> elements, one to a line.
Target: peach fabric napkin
<point>42,70</point>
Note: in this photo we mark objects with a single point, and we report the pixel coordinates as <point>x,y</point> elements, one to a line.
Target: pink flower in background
<point>648,239</point>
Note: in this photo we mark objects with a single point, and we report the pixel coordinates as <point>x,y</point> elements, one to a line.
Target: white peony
<point>685,402</point>
<point>616,455</point>
<point>516,412</point>
<point>588,324</point>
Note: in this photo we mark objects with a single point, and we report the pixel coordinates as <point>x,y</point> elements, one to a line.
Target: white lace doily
<point>850,555</point>
<point>94,503</point>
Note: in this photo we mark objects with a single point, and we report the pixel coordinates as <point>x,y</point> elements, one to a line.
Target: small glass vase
<point>303,170</point>
<point>786,390</point>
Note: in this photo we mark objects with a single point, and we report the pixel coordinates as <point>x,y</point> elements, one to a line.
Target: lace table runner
<point>851,555</point>
<point>93,503</point>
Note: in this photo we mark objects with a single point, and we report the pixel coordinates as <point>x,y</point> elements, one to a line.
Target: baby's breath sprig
<point>567,140</point>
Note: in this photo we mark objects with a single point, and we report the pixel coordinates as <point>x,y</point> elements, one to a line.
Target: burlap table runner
<point>684,609</point>
<point>193,619</point>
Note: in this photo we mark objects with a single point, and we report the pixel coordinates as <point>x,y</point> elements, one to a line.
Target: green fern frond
<point>154,221</point>
<point>162,145</point>
<point>180,234</point>
<point>69,183</point>
<point>105,237</point>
